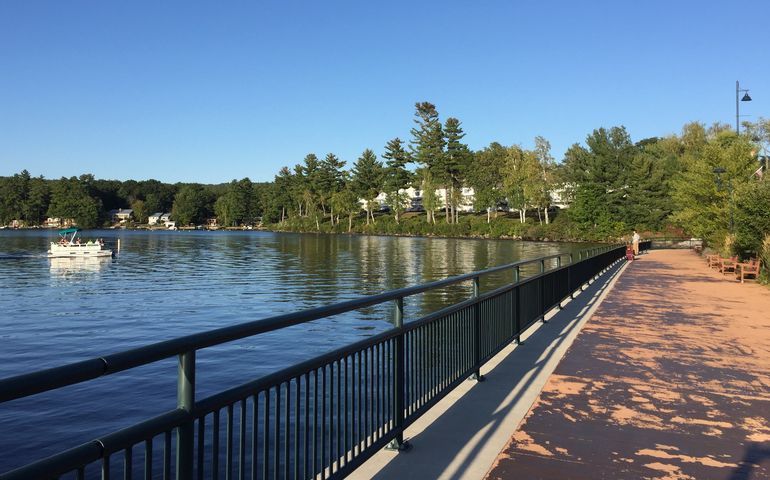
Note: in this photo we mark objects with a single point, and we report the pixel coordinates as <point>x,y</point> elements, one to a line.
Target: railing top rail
<point>51,378</point>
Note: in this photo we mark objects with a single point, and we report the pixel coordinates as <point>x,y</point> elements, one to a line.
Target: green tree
<point>345,202</point>
<point>192,204</point>
<point>140,211</point>
<point>396,177</point>
<point>330,180</point>
<point>515,176</point>
<point>71,199</point>
<point>427,147</point>
<point>543,178</point>
<point>486,178</point>
<point>367,180</point>
<point>752,215</point>
<point>602,172</point>
<point>703,201</point>
<point>455,165</point>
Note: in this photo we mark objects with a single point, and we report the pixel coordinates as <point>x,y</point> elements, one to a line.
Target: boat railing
<point>324,416</point>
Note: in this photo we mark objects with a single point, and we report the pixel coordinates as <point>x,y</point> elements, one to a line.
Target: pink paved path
<point>669,380</point>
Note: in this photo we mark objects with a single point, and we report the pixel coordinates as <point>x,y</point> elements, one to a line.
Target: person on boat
<point>62,241</point>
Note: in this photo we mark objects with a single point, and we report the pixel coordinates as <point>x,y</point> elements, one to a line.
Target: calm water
<point>163,285</point>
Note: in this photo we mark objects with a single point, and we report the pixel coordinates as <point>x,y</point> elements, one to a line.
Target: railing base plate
<point>395,446</point>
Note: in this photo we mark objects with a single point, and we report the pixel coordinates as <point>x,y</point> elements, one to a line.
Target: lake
<point>162,285</point>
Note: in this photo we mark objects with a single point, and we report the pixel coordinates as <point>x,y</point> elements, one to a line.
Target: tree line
<point>613,184</point>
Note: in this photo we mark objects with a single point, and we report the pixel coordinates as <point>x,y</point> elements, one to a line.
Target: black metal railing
<point>325,416</point>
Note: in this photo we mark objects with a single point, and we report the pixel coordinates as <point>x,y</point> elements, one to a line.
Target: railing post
<point>542,289</point>
<point>185,400</point>
<point>517,304</point>
<point>477,332</point>
<point>399,382</point>
<point>558,265</point>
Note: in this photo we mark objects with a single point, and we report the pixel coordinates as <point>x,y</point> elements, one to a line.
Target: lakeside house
<point>56,222</point>
<point>121,215</point>
<point>154,219</point>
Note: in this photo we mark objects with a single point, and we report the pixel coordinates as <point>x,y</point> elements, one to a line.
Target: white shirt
<point>636,237</point>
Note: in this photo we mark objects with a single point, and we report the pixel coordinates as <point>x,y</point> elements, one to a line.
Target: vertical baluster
<point>201,446</point>
<point>81,475</point>
<point>323,422</point>
<point>354,405</point>
<point>296,428</point>
<point>147,461</point>
<point>345,434</point>
<point>215,446</point>
<point>242,442</point>
<point>306,437</point>
<point>277,433</point>
<point>360,438</point>
<point>106,468</point>
<point>254,436</point>
<point>229,444</point>
<point>379,377</point>
<point>315,424</point>
<point>266,437</point>
<point>128,464</point>
<point>166,456</point>
<point>338,436</point>
<point>286,429</point>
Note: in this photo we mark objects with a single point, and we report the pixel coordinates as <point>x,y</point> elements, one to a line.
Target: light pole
<point>746,98</point>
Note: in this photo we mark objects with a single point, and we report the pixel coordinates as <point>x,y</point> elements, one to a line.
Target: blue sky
<point>211,91</point>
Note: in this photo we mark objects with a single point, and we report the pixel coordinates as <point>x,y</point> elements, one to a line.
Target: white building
<point>154,219</point>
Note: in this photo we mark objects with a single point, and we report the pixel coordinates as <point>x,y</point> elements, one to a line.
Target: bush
<point>752,216</point>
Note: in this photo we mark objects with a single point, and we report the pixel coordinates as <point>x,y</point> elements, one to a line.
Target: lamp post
<point>746,98</point>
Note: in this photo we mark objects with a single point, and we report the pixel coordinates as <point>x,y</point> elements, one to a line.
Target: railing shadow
<point>442,450</point>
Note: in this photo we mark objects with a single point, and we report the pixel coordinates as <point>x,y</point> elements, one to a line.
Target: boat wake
<point>20,256</point>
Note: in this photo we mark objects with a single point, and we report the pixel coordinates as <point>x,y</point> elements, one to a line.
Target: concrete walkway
<point>670,379</point>
<point>461,437</point>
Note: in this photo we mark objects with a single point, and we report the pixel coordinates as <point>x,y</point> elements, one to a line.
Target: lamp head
<point>746,97</point>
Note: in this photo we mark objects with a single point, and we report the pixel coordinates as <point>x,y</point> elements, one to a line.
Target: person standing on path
<point>635,241</point>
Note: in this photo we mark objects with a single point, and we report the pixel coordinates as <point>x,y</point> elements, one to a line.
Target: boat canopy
<point>67,231</point>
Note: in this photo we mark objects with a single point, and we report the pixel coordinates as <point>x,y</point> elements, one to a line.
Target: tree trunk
<point>547,220</point>
<point>539,218</point>
<point>398,216</point>
<point>489,216</point>
<point>350,223</point>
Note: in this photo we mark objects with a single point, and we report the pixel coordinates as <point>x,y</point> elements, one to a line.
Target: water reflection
<point>78,268</point>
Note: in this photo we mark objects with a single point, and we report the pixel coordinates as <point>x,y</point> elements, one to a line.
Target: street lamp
<point>746,98</point>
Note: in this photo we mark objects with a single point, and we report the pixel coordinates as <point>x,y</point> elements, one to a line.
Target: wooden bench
<point>712,260</point>
<point>727,264</point>
<point>751,267</point>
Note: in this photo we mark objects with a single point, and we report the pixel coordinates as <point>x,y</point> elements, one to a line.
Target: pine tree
<point>427,147</point>
<point>397,177</point>
<point>367,180</point>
